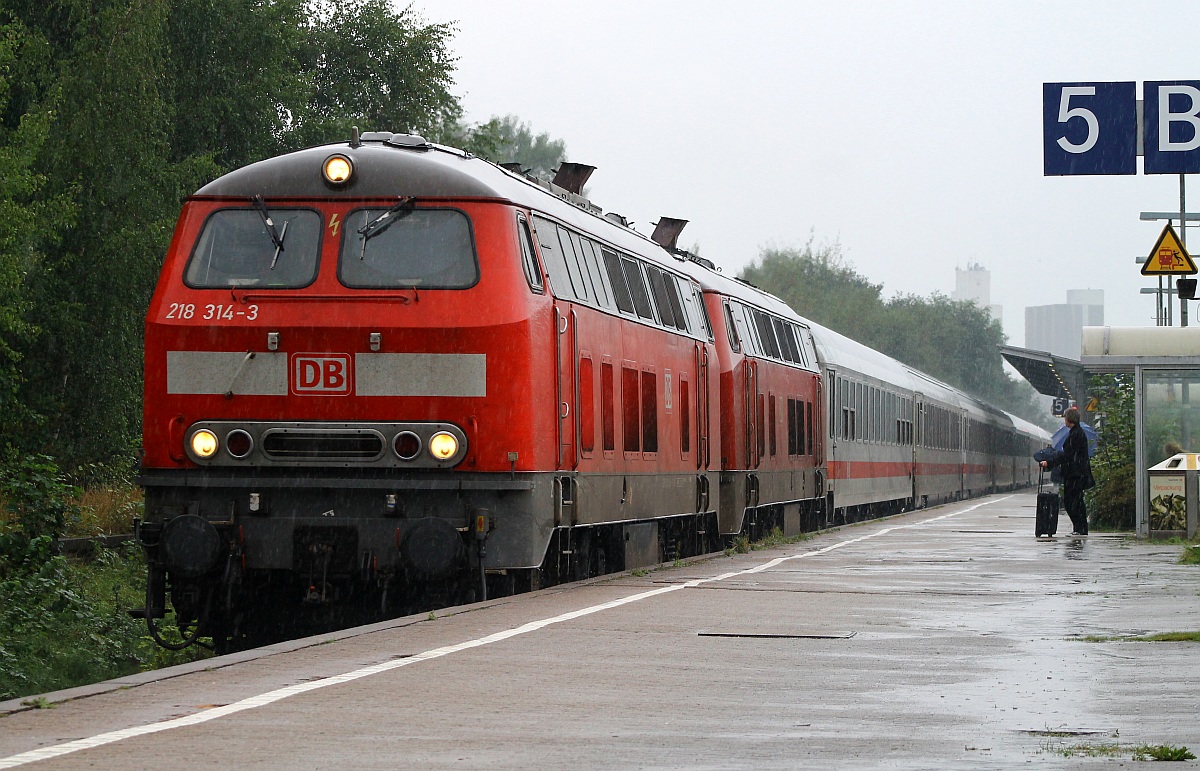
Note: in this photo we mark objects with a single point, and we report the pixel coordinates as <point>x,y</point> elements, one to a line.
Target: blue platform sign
<point>1089,128</point>
<point>1172,120</point>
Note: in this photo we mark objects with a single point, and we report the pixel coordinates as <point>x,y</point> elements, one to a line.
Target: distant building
<point>1058,329</point>
<point>974,285</point>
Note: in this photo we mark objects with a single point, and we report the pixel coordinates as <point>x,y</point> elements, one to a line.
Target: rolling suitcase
<point>1047,512</point>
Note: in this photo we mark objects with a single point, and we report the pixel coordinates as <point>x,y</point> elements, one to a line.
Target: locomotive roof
<point>382,169</point>
<point>393,165</point>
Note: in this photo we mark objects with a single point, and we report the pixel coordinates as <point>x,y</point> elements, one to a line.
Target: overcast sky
<point>909,132</point>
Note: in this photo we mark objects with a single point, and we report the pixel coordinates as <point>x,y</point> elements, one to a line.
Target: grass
<point>743,545</point>
<point>1160,637</point>
<point>1161,752</point>
<point>67,624</point>
<point>1083,749</point>
<point>1116,749</point>
<point>106,511</point>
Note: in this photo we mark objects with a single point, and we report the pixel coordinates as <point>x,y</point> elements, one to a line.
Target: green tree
<point>363,63</point>
<point>111,111</point>
<point>809,278</point>
<point>1111,503</point>
<point>24,214</point>
<point>956,342</point>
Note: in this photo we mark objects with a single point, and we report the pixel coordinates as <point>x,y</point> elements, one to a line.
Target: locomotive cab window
<point>390,248</point>
<point>533,273</point>
<point>237,247</point>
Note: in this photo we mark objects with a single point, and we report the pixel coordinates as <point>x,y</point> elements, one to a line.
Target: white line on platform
<point>58,750</point>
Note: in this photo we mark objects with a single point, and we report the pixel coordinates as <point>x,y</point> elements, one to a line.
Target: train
<point>385,375</point>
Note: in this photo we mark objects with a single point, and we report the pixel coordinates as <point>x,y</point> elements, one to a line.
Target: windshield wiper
<point>381,223</point>
<point>276,235</point>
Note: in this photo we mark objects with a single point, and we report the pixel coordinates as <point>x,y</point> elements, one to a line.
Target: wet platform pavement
<point>944,638</point>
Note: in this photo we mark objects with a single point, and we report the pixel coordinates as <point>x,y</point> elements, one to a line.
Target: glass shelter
<point>1165,362</point>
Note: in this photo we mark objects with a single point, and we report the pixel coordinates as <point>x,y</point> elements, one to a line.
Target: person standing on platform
<point>1076,471</point>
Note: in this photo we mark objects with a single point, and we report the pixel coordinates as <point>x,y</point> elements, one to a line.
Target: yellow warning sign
<point>1168,256</point>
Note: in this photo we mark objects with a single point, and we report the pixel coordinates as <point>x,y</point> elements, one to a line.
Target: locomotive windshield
<point>426,248</point>
<point>238,248</point>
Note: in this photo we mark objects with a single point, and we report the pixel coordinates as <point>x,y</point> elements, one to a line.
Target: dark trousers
<point>1073,503</point>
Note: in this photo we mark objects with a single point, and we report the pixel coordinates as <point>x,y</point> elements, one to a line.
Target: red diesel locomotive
<point>386,376</point>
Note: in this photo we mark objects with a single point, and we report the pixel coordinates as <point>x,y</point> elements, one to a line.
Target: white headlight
<point>443,446</point>
<point>204,443</point>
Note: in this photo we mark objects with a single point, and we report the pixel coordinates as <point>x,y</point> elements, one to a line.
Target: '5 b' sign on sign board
<point>1092,128</point>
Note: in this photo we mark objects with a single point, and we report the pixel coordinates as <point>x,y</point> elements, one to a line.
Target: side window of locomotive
<point>591,261</point>
<point>745,327</point>
<point>426,248</point>
<point>734,341</point>
<point>787,345</point>
<point>701,311</point>
<point>556,265</point>
<point>533,273</point>
<point>590,280</point>
<point>237,248</point>
<point>672,290</point>
<point>579,282</point>
<point>691,306</point>
<point>637,287</point>
<point>616,277</point>
<point>658,289</point>
<point>766,334</point>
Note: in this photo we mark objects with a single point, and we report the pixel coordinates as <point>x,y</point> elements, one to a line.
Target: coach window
<point>236,248</point>
<point>533,273</point>
<point>831,412</point>
<point>637,287</point>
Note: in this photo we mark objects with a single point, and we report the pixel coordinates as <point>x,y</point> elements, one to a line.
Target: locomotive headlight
<point>337,169</point>
<point>204,443</point>
<point>443,445</point>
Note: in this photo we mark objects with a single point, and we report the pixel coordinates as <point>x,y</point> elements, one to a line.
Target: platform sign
<point>1168,257</point>
<point>1172,121</point>
<point>1089,128</point>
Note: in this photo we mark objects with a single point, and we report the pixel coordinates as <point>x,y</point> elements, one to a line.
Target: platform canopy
<point>1051,375</point>
<point>1121,349</point>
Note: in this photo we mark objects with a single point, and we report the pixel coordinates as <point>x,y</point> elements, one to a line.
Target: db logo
<point>321,373</point>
